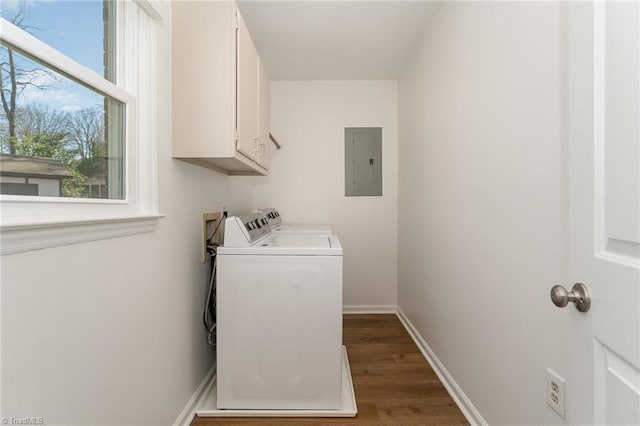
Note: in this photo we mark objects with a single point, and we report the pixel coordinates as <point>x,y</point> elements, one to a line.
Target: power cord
<point>209,315</point>
<point>215,231</point>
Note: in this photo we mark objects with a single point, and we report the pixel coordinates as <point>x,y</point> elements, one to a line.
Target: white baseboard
<point>189,411</point>
<point>369,309</point>
<point>472,415</point>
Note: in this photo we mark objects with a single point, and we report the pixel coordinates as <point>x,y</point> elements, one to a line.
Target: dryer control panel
<point>244,230</point>
<point>272,216</point>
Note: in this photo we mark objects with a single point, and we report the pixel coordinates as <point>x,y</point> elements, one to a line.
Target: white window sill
<point>18,238</point>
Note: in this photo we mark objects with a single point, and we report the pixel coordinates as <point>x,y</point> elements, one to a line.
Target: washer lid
<point>303,229</point>
<point>290,244</point>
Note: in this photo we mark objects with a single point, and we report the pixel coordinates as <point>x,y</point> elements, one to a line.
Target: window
<point>77,116</point>
<point>45,114</point>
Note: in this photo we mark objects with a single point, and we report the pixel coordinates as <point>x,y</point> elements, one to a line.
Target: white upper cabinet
<point>220,93</point>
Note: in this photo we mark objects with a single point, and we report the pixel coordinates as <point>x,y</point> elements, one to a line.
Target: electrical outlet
<point>210,222</point>
<point>556,393</point>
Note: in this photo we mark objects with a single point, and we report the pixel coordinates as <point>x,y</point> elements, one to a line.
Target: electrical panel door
<point>363,161</point>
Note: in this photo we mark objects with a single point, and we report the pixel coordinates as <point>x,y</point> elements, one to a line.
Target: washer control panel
<point>244,230</point>
<point>272,216</point>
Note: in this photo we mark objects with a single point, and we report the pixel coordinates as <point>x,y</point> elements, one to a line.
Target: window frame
<point>30,222</point>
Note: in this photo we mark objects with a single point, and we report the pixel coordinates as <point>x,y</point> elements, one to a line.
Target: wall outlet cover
<point>556,393</point>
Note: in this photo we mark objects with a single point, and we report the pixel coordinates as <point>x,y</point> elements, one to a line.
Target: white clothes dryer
<point>279,313</point>
<point>277,227</point>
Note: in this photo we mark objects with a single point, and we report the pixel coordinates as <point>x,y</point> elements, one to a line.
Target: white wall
<point>306,181</point>
<point>110,332</point>
<point>483,200</point>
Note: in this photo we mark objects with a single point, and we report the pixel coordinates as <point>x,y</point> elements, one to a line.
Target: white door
<point>264,117</point>
<point>247,92</point>
<point>604,117</point>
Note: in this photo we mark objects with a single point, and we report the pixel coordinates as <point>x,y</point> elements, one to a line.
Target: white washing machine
<point>277,227</point>
<point>279,313</point>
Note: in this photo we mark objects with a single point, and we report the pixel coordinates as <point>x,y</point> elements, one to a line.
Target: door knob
<point>579,295</point>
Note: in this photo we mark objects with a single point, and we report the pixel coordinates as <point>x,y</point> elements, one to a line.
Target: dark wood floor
<point>394,384</point>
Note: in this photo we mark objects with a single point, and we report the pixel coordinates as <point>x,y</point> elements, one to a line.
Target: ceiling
<point>335,40</point>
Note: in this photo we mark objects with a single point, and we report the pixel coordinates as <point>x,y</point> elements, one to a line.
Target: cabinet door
<point>246,92</point>
<point>264,117</point>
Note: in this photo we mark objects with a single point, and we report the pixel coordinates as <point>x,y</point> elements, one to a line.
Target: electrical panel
<point>363,161</point>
